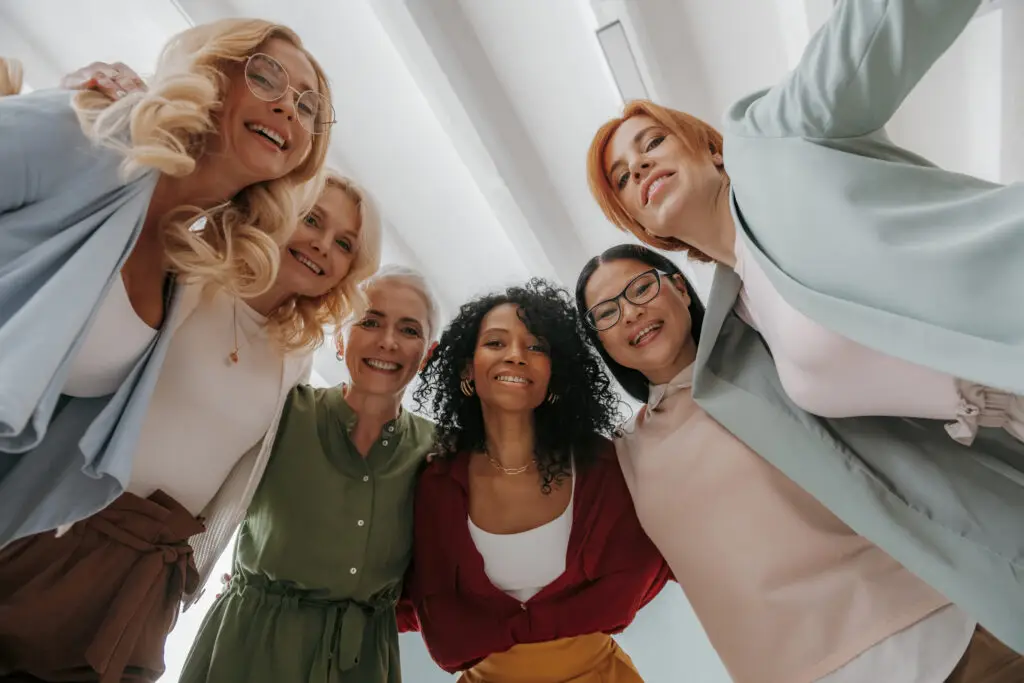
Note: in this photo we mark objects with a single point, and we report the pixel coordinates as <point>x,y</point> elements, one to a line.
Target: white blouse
<point>206,411</point>
<point>523,564</point>
<point>115,341</point>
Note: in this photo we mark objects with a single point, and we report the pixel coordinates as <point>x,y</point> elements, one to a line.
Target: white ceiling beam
<point>670,63</point>
<point>203,11</point>
<point>451,67</point>
<point>42,70</point>
<point>1012,114</point>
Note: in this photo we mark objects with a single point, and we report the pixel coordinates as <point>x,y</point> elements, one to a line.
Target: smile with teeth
<point>645,332</point>
<point>268,133</point>
<point>306,262</point>
<point>655,185</point>
<point>512,379</point>
<point>382,365</point>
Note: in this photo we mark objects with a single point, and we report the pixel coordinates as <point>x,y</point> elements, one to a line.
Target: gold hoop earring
<point>467,386</point>
<point>553,398</point>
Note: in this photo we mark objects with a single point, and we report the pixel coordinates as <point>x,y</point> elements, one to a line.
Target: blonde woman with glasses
<point>107,210</point>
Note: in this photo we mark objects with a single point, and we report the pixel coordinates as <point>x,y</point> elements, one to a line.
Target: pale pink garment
<point>829,375</point>
<point>785,591</point>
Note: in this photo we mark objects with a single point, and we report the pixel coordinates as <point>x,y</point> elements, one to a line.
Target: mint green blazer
<point>881,246</point>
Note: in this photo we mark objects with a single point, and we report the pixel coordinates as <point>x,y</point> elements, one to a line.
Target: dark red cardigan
<point>612,570</point>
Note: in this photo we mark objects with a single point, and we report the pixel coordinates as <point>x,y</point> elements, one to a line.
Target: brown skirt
<point>97,603</point>
<point>988,660</point>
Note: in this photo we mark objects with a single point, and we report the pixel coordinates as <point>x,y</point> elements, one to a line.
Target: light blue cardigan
<point>68,220</point>
<point>879,245</point>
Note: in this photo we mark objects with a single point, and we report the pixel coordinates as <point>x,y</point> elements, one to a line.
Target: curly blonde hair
<point>699,137</point>
<point>11,74</point>
<point>299,322</point>
<point>235,245</point>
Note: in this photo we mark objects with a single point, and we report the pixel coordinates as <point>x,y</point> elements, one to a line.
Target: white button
<point>391,428</point>
<point>523,606</point>
<point>352,571</point>
<point>366,477</point>
<point>384,442</point>
<point>360,522</point>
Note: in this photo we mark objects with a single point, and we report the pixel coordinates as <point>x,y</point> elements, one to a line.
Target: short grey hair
<point>410,277</point>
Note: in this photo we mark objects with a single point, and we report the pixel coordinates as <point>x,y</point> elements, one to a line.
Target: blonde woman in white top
<point>786,592</point>
<point>203,448</point>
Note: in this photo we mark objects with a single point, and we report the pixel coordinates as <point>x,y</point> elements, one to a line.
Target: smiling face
<point>511,368</point>
<point>263,140</point>
<point>321,251</point>
<point>661,184</point>
<point>654,338</point>
<point>388,346</point>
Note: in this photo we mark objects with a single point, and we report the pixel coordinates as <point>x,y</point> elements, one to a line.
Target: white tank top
<point>113,344</point>
<point>523,564</point>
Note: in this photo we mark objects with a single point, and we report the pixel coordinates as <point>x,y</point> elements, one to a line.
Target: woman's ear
<point>339,345</point>
<point>427,356</point>
<point>679,282</point>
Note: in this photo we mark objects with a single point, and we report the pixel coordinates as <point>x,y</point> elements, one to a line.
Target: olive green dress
<point>320,555</point>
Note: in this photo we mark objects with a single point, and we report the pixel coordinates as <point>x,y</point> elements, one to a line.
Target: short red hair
<point>696,135</point>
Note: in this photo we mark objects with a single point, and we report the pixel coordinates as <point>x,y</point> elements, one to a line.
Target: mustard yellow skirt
<point>594,658</point>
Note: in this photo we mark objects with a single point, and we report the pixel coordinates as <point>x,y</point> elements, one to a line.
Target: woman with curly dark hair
<point>528,552</point>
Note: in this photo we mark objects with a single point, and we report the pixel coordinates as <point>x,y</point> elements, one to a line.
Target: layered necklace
<point>507,470</point>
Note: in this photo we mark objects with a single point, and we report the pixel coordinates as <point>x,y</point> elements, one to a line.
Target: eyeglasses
<point>268,81</point>
<point>640,290</point>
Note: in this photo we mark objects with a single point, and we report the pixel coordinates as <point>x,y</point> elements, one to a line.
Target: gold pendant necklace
<point>233,356</point>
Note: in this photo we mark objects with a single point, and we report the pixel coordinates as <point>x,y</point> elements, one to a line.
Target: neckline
<point>567,512</point>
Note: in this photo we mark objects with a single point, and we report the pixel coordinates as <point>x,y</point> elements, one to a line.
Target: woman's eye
<point>312,221</point>
<point>367,322</point>
<point>654,142</point>
<point>622,180</point>
<point>411,331</point>
<point>345,244</point>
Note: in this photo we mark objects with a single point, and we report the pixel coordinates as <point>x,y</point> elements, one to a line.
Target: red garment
<point>612,569</point>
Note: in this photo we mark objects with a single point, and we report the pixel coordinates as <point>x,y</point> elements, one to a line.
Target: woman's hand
<point>225,585</point>
<point>113,80</point>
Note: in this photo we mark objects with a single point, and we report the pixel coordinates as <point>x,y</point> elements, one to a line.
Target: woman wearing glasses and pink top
<point>786,592</point>
<point>97,599</point>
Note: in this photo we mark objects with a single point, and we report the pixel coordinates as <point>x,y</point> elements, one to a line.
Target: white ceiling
<point>470,119</point>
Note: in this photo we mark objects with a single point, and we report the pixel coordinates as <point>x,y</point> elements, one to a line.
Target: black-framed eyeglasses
<point>268,80</point>
<point>640,290</point>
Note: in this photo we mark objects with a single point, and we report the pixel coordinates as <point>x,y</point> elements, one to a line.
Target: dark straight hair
<point>633,381</point>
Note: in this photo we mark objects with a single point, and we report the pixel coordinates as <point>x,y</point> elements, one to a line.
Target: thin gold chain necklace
<point>507,470</point>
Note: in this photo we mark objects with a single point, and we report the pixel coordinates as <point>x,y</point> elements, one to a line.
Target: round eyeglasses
<point>268,81</point>
<point>640,290</point>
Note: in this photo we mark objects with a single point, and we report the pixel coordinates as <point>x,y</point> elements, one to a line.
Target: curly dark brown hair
<point>567,430</point>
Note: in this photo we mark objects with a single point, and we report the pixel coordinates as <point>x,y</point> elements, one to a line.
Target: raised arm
<point>38,133</point>
<point>856,70</point>
<point>41,143</point>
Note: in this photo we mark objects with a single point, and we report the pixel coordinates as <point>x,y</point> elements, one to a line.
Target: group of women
<point>828,460</point>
